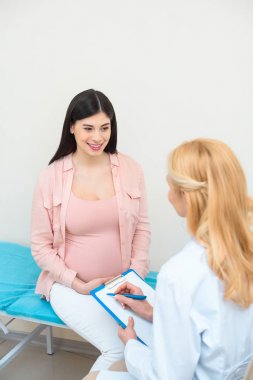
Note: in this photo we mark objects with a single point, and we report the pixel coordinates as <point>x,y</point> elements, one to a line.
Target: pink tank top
<point>93,238</point>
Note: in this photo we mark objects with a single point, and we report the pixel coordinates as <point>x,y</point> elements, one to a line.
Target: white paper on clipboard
<point>142,327</point>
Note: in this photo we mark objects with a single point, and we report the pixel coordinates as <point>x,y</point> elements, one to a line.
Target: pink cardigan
<point>49,213</point>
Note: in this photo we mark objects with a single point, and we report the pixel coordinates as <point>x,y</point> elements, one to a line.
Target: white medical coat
<point>197,334</point>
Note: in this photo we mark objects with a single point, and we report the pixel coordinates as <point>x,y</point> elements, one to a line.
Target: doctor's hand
<point>140,307</point>
<point>128,332</point>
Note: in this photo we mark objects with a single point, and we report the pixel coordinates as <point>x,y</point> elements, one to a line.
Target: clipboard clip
<point>115,281</point>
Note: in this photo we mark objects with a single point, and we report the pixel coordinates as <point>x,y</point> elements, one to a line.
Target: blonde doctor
<point>203,314</point>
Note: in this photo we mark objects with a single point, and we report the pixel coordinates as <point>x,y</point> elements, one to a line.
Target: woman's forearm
<point>80,286</point>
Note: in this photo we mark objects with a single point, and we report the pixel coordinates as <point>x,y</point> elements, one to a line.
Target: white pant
<point>88,319</point>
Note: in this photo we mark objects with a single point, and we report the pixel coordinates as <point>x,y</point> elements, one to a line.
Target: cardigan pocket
<point>134,193</point>
<point>53,207</point>
<point>134,196</point>
<point>51,202</point>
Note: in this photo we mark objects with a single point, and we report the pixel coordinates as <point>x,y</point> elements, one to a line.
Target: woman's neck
<point>82,160</point>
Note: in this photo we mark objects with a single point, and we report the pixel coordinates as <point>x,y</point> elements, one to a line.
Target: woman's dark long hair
<point>85,104</point>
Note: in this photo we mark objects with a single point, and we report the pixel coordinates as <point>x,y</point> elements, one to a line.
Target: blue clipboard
<point>142,327</point>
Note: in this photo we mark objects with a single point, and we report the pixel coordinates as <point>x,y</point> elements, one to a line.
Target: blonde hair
<point>219,211</point>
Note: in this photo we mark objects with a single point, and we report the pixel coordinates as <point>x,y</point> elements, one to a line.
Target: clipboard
<point>143,328</point>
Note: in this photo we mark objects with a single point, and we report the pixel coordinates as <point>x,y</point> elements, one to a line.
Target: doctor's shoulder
<point>188,265</point>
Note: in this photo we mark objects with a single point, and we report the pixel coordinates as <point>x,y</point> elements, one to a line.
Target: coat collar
<point>67,162</point>
<point>114,158</point>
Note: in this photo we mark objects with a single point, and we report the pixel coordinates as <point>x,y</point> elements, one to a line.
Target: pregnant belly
<point>93,261</point>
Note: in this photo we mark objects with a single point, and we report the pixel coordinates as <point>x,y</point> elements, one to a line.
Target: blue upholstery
<point>151,279</point>
<point>18,277</point>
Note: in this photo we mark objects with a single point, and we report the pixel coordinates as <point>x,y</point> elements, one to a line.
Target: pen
<point>133,296</point>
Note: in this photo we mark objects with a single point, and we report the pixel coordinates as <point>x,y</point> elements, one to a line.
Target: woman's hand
<point>140,307</point>
<point>128,332</point>
<point>85,287</point>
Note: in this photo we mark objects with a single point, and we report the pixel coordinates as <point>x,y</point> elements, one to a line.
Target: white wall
<point>174,70</point>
